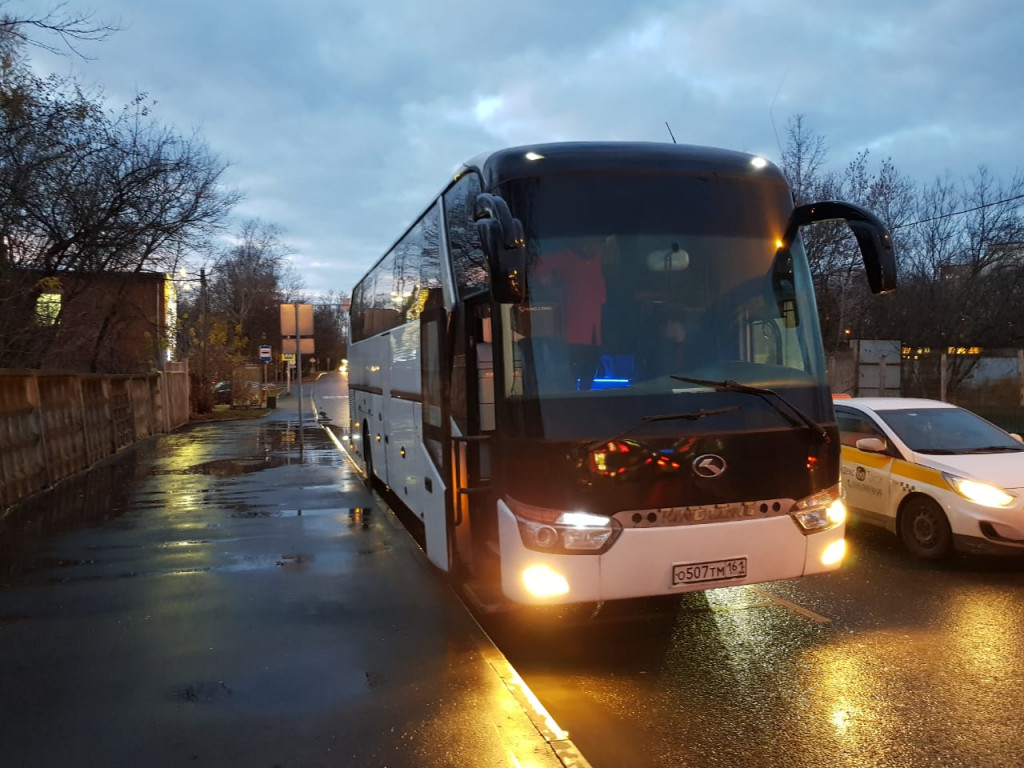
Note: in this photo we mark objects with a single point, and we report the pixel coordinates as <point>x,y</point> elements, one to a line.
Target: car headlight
<point>980,493</point>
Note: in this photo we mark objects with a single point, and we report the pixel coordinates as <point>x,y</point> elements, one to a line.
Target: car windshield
<point>948,431</point>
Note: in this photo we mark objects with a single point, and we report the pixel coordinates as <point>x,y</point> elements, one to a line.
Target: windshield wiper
<point>765,394</point>
<point>687,416</point>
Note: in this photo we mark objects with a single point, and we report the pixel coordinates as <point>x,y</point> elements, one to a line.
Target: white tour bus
<point>593,371</point>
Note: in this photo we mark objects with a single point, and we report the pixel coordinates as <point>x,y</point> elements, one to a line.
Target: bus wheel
<point>925,530</point>
<point>367,453</point>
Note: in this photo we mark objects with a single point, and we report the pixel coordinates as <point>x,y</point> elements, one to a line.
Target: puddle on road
<point>101,495</point>
<point>90,498</point>
<point>235,467</point>
<point>254,514</point>
<point>295,562</point>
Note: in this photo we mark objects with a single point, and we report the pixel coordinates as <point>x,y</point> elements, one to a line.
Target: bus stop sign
<point>265,353</point>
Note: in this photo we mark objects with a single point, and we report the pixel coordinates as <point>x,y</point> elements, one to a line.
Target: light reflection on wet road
<point>885,663</point>
<point>910,665</point>
<point>232,595</point>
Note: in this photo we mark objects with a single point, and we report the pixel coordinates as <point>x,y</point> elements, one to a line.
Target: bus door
<point>472,411</point>
<point>435,370</point>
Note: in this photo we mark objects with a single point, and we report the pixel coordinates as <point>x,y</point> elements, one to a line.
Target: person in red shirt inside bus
<point>577,274</point>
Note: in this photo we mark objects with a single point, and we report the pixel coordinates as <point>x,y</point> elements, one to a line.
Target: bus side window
<point>418,267</point>
<point>430,264</point>
<point>467,256</point>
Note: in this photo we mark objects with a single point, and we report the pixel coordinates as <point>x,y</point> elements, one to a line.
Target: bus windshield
<point>631,280</point>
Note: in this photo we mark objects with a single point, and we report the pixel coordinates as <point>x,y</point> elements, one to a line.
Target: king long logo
<point>708,465</point>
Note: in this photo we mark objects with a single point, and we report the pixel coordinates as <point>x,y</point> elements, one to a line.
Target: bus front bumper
<point>665,560</point>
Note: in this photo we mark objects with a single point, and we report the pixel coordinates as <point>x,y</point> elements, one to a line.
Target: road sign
<point>265,353</point>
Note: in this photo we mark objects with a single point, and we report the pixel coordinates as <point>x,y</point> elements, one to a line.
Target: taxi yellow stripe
<point>873,460</point>
<point>917,473</point>
<point>900,469</point>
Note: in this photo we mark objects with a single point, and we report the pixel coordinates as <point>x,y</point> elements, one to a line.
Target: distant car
<point>222,393</point>
<point>938,476</point>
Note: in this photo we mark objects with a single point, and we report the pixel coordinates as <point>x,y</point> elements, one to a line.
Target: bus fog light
<point>542,581</point>
<point>834,552</point>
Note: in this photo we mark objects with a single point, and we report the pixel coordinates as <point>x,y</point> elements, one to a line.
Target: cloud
<point>342,119</point>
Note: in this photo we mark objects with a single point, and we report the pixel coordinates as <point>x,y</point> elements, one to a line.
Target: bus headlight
<point>564,533</point>
<point>820,512</point>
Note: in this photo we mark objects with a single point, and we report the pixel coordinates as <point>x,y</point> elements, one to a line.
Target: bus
<point>594,371</point>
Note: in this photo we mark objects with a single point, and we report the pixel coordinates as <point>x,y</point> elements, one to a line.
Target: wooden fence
<point>54,425</point>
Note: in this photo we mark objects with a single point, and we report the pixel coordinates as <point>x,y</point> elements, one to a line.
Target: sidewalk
<point>243,600</point>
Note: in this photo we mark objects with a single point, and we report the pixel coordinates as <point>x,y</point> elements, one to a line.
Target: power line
<point>959,213</point>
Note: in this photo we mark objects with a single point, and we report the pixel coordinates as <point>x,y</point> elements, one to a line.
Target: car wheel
<point>925,531</point>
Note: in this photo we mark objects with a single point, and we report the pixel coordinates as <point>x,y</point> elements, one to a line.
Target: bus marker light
<point>834,552</point>
<point>542,581</point>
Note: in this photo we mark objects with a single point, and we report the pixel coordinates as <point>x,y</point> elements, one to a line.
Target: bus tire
<point>924,529</point>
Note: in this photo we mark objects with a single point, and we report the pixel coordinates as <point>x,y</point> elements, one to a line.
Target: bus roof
<point>569,157</point>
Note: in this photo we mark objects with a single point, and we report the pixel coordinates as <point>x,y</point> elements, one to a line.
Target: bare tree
<point>846,307</point>
<point>959,245</point>
<point>803,161</point>
<point>249,282</point>
<point>330,330</point>
<point>83,191</point>
<point>70,28</point>
<point>964,270</point>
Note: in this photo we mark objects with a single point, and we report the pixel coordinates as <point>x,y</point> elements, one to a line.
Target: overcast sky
<point>341,119</point>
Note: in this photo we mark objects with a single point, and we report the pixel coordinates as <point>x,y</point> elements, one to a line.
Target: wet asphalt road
<point>132,617</point>
<point>232,595</point>
<point>887,663</point>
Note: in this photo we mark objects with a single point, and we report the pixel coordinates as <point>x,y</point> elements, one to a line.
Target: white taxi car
<point>938,476</point>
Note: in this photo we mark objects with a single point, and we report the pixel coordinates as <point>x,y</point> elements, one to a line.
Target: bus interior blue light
<point>609,383</point>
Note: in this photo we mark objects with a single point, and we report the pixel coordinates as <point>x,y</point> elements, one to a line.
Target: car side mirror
<point>872,445</point>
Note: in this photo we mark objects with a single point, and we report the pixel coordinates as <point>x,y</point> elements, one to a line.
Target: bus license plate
<point>713,570</point>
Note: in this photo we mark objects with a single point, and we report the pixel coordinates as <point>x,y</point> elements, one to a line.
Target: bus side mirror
<point>501,236</point>
<point>872,237</point>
